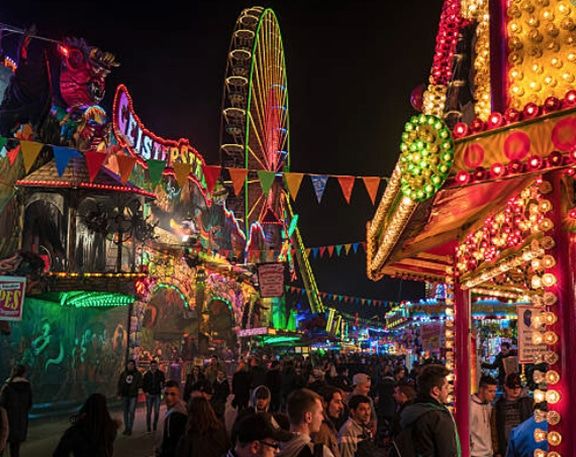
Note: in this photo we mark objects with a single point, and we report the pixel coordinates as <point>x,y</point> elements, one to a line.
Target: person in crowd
<point>212,370</point>
<point>221,389</point>
<point>306,414</point>
<point>203,389</point>
<point>152,386</point>
<point>174,422</point>
<point>362,384</point>
<point>4,430</point>
<point>333,414</point>
<point>257,437</point>
<point>499,361</point>
<point>341,379</point>
<point>317,381</point>
<point>481,418</point>
<point>16,399</point>
<point>241,382</point>
<point>192,379</point>
<point>205,435</point>
<point>274,383</point>
<point>257,373</point>
<point>400,374</point>
<point>259,403</point>
<point>404,395</point>
<point>129,383</point>
<point>428,427</point>
<point>386,406</point>
<point>521,442</point>
<point>510,410</point>
<point>92,433</point>
<point>356,431</point>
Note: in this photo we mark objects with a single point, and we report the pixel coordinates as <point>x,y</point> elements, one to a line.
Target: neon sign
<point>145,145</point>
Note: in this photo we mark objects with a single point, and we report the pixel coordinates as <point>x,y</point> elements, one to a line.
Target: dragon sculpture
<point>56,90</point>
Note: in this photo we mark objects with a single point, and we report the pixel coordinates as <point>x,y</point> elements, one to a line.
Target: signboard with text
<point>527,350</point>
<point>271,279</point>
<point>12,291</point>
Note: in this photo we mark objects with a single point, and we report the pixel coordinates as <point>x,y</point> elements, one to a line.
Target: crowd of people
<point>332,406</point>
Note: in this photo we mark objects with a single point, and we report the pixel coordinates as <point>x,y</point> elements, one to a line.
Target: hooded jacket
<point>16,398</point>
<point>433,429</point>
<point>480,428</point>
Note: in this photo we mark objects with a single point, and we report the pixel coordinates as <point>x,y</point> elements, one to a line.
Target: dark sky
<point>351,68</point>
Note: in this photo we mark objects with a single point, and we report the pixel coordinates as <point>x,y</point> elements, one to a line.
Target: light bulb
<point>538,376</point>
<point>548,279</point>
<point>554,438</point>
<point>553,417</point>
<point>539,453</point>
<point>551,358</point>
<point>550,337</point>
<point>552,396</point>
<point>536,282</point>
<point>539,396</point>
<point>553,454</point>
<point>552,377</point>
<point>550,318</point>
<point>539,435</point>
<point>449,312</point>
<point>548,242</point>
<point>549,298</point>
<point>536,264</point>
<point>548,261</point>
<point>537,338</point>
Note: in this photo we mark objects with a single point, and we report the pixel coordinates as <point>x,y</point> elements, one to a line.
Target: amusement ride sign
<point>12,290</point>
<point>145,145</point>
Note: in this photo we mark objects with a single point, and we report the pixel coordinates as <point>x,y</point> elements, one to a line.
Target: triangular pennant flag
<point>314,252</point>
<point>211,173</point>
<point>370,302</point>
<point>62,156</point>
<point>340,297</point>
<point>293,182</point>
<point>347,184</point>
<point>330,250</point>
<point>3,142</point>
<point>125,165</point>
<point>155,169</point>
<point>307,251</point>
<point>338,249</point>
<point>363,244</point>
<point>355,247</point>
<point>372,184</point>
<point>13,154</point>
<point>322,251</point>
<point>266,180</point>
<point>362,301</point>
<point>182,170</point>
<point>347,248</point>
<point>238,177</point>
<point>30,151</point>
<point>94,161</point>
<point>319,183</point>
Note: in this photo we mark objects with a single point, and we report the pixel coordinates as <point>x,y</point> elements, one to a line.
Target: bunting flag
<point>330,250</point>
<point>345,298</point>
<point>322,251</point>
<point>155,170</point>
<point>30,151</point>
<point>347,248</point>
<point>3,142</point>
<point>13,154</point>
<point>211,173</point>
<point>125,165</point>
<point>266,180</point>
<point>62,156</point>
<point>238,177</point>
<point>338,249</point>
<point>181,172</point>
<point>355,247</point>
<point>372,183</point>
<point>293,182</point>
<point>347,184</point>
<point>307,252</point>
<point>319,183</point>
<point>94,161</point>
<point>314,252</point>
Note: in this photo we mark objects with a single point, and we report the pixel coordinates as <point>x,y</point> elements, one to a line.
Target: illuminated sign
<point>145,145</point>
<point>12,290</point>
<point>252,331</point>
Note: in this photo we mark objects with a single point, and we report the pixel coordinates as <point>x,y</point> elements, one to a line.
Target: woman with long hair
<point>205,435</point>
<point>92,433</point>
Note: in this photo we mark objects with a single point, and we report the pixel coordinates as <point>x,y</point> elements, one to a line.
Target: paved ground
<point>43,436</point>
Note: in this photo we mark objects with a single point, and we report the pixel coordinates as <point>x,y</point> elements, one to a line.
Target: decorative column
<point>462,365</point>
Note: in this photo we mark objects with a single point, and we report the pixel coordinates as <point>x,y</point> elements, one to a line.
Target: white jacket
<point>480,428</point>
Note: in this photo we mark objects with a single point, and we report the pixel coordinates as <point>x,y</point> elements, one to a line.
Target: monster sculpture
<point>56,89</point>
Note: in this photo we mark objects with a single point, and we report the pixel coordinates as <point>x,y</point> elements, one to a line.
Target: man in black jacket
<point>152,387</point>
<point>428,425</point>
<point>129,383</point>
<point>175,419</point>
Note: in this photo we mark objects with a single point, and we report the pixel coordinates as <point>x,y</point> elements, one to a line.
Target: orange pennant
<point>307,251</point>
<point>125,165</point>
<point>346,184</point>
<point>238,177</point>
<point>30,152</point>
<point>372,184</point>
<point>293,182</point>
<point>347,248</point>
<point>181,170</point>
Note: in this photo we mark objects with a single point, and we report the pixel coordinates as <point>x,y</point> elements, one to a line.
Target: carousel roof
<point>76,176</point>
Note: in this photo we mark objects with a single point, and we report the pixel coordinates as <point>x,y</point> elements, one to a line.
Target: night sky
<point>351,68</point>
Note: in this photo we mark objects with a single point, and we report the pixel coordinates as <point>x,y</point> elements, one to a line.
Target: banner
<point>12,291</point>
<point>527,350</point>
<point>271,279</point>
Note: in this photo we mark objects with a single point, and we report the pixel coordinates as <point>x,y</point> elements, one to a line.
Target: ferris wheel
<point>254,130</point>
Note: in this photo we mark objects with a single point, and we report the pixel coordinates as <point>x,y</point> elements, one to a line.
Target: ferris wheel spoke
<point>255,157</point>
<point>261,158</point>
<point>254,206</point>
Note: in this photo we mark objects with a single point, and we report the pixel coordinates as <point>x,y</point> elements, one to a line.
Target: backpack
<point>307,452</point>
<point>403,444</point>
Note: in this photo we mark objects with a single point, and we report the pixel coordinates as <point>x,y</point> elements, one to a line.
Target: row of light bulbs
<point>449,332</point>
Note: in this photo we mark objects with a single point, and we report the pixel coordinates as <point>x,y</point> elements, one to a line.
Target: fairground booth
<point>481,198</point>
